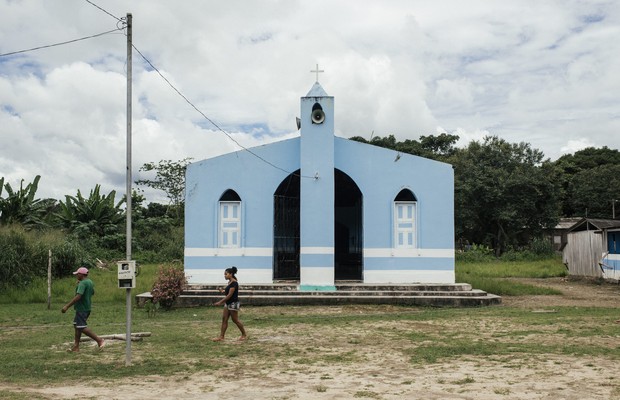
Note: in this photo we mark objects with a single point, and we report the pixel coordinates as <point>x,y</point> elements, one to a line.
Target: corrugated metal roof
<point>566,223</point>
<point>595,224</point>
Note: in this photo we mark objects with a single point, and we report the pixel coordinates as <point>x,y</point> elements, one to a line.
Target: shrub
<point>168,286</point>
<point>24,255</point>
<point>67,256</point>
<point>541,246</point>
<point>476,253</point>
<point>14,256</point>
<point>158,240</point>
<point>537,249</point>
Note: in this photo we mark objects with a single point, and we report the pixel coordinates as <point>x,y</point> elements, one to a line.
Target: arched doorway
<point>348,228</point>
<point>286,229</point>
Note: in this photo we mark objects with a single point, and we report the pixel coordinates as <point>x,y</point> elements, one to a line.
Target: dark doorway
<point>286,229</point>
<point>348,228</point>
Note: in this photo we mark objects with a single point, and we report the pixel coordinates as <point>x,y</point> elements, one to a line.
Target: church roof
<point>317,91</point>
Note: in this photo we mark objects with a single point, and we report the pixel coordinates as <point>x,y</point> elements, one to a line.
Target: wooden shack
<point>558,235</point>
<point>593,249</point>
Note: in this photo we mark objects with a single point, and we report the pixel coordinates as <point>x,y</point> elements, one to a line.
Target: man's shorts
<point>234,306</point>
<point>80,319</point>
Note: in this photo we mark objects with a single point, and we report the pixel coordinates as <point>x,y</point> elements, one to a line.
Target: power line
<point>107,12</point>
<point>60,44</point>
<point>121,26</point>
<point>209,119</point>
<point>189,102</point>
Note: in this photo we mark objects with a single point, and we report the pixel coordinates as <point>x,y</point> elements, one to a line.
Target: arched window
<point>230,220</point>
<point>405,220</point>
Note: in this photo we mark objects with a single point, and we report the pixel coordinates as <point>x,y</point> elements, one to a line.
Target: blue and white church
<point>319,209</point>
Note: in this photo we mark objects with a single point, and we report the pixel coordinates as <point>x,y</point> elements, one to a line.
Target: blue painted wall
<point>380,175</point>
<point>253,180</point>
<point>381,178</point>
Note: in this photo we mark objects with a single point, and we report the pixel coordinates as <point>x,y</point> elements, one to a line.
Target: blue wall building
<point>330,210</point>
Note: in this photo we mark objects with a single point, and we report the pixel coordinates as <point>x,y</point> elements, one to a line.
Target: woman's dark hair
<point>232,270</point>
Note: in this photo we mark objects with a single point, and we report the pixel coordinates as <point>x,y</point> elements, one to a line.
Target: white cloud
<point>576,145</point>
<point>466,136</point>
<point>540,72</point>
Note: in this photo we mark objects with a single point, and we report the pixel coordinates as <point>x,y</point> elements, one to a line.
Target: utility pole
<point>613,209</point>
<point>128,189</point>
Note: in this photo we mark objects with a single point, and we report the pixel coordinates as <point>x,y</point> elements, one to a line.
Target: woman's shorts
<point>234,306</point>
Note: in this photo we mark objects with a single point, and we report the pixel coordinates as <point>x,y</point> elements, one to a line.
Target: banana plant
<point>96,213</point>
<point>21,206</point>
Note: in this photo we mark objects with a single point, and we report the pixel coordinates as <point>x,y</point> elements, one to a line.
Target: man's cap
<point>81,270</point>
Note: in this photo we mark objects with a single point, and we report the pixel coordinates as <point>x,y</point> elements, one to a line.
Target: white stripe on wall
<point>268,252</point>
<point>322,276</point>
<point>317,250</point>
<point>246,276</point>
<point>404,253</point>
<point>318,276</point>
<point>409,277</point>
<point>228,252</point>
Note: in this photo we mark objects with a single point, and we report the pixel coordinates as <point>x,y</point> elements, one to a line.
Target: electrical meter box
<point>126,274</point>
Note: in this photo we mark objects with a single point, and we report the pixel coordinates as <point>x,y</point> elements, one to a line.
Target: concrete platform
<point>431,295</point>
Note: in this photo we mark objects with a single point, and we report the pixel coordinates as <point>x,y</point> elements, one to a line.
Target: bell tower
<point>317,190</point>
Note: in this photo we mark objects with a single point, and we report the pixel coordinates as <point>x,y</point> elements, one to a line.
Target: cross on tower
<point>317,70</point>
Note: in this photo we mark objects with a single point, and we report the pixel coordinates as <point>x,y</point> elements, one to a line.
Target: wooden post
<point>135,337</point>
<point>49,279</point>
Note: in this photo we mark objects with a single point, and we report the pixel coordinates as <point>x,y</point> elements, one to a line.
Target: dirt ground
<point>575,292</point>
<point>387,373</point>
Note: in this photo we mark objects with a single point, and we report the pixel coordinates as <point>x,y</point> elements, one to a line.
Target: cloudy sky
<point>543,72</point>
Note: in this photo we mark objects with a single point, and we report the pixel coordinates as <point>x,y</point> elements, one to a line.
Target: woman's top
<point>235,296</point>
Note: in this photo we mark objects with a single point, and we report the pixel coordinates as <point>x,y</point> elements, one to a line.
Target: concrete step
<point>343,293</point>
<point>435,295</point>
<point>459,287</point>
<point>321,299</point>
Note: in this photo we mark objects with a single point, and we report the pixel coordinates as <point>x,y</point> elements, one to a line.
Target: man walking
<point>82,303</point>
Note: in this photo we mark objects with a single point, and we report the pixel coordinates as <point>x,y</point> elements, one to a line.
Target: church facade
<point>318,209</point>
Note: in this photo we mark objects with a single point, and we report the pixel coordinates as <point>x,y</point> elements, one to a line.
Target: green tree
<point>588,182</point>
<point>436,147</point>
<point>588,158</point>
<point>156,236</point>
<point>593,190</point>
<point>170,178</point>
<point>505,193</point>
<point>21,206</point>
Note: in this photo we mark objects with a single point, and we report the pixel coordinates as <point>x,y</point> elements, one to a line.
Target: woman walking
<point>231,305</point>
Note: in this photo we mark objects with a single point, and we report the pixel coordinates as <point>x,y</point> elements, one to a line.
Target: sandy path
<point>557,378</point>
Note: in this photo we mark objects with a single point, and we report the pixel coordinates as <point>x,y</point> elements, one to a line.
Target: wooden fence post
<point>49,279</point>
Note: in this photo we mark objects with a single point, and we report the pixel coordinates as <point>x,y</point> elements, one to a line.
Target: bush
<point>158,240</point>
<point>475,253</point>
<point>542,247</point>
<point>66,256</point>
<point>14,258</point>
<point>168,286</point>
<point>24,255</point>
<point>537,249</point>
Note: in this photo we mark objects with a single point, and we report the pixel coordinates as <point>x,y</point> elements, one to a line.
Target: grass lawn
<point>491,276</point>
<point>34,339</point>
